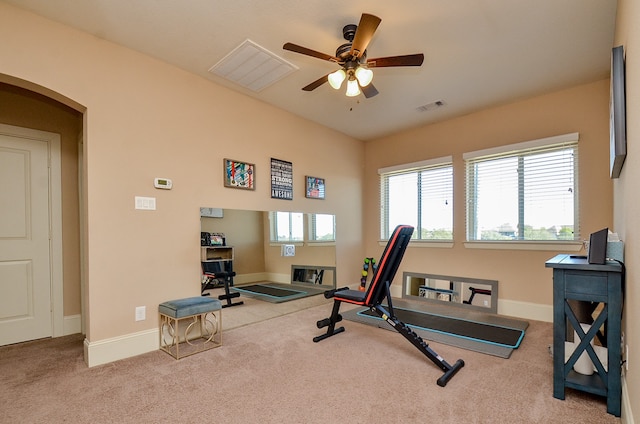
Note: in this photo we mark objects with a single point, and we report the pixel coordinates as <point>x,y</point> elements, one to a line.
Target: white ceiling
<point>478,53</point>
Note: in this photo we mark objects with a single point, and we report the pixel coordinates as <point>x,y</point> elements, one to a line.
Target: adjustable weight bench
<point>212,271</point>
<point>377,292</point>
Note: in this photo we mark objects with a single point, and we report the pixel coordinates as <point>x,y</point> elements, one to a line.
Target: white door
<point>25,260</point>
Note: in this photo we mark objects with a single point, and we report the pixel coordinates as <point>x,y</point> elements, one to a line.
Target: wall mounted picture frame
<point>617,113</point>
<point>314,187</point>
<point>281,179</point>
<point>239,174</point>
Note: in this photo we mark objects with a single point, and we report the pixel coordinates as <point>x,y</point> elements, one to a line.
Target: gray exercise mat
<point>464,343</point>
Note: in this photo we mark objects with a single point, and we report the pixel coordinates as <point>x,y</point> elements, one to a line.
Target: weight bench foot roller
<point>189,326</point>
<point>378,292</point>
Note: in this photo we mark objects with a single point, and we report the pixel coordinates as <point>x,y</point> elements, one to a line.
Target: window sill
<point>442,244</point>
<point>564,246</point>
<point>280,243</point>
<point>320,243</point>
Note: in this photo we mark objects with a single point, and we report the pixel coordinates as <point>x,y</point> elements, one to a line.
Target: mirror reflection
<point>266,263</point>
<point>471,293</point>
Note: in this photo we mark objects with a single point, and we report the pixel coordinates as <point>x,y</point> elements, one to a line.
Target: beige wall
<point>243,230</point>
<point>627,200</point>
<point>521,274</point>
<point>145,119</point>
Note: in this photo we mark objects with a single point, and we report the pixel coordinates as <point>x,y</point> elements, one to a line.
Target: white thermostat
<point>163,183</point>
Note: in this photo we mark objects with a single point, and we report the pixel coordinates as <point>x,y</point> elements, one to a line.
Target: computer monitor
<point>598,247</point>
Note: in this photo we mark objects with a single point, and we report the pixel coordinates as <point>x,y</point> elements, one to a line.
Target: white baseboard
<point>627,413</point>
<point>114,349</point>
<point>241,279</point>
<point>71,324</point>
<point>526,310</point>
<point>279,278</point>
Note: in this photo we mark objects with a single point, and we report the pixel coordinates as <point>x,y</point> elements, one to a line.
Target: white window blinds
<point>421,195</point>
<point>526,191</point>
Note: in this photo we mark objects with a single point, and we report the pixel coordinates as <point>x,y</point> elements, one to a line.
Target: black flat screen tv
<point>617,113</point>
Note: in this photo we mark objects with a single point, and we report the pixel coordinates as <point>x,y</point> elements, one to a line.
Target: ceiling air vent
<point>252,66</point>
<point>431,106</point>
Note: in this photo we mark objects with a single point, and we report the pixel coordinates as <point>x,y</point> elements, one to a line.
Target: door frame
<point>55,217</point>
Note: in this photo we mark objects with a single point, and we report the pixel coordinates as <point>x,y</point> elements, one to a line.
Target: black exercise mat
<point>277,292</point>
<point>477,331</point>
<point>268,290</point>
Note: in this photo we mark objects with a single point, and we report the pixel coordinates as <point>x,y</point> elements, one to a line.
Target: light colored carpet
<point>272,372</point>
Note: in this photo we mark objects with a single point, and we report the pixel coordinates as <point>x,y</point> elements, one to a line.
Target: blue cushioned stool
<point>190,325</point>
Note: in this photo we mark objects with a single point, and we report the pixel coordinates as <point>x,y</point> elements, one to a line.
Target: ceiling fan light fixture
<point>352,88</point>
<point>364,76</point>
<point>336,78</point>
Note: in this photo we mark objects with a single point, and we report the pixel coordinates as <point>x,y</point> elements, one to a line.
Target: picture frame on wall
<point>239,174</point>
<point>617,113</point>
<point>281,179</point>
<point>314,187</point>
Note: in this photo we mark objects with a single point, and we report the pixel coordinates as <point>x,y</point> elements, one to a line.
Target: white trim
<point>444,244</point>
<point>257,277</point>
<point>415,165</point>
<point>72,324</point>
<point>82,224</point>
<point>241,279</point>
<point>532,144</point>
<point>55,196</point>
<point>568,246</point>
<point>121,347</point>
<point>279,278</point>
<point>627,413</point>
<point>525,310</point>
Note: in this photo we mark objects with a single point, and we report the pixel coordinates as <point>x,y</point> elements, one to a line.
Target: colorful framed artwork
<point>239,174</point>
<point>314,187</point>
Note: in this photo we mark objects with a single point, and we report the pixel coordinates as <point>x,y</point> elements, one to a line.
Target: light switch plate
<point>146,203</point>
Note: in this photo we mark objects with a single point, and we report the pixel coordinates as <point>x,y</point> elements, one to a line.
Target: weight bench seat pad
<point>351,296</point>
<point>190,306</point>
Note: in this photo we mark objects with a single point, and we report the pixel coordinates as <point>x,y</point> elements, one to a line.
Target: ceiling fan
<point>352,57</point>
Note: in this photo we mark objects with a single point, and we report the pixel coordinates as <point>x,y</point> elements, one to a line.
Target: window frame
<point>312,237</point>
<point>411,168</point>
<point>273,228</point>
<point>521,150</point>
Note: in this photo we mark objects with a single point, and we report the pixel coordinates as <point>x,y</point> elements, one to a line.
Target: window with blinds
<point>421,195</point>
<point>286,226</point>
<point>527,191</point>
<point>322,227</point>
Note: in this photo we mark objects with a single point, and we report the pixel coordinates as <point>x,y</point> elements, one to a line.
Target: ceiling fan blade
<point>303,50</point>
<point>317,83</point>
<point>407,60</point>
<point>369,91</point>
<point>366,28</point>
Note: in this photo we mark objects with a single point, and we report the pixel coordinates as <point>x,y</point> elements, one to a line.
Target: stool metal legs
<point>201,332</point>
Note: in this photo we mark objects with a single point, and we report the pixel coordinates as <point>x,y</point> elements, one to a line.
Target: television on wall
<point>617,113</point>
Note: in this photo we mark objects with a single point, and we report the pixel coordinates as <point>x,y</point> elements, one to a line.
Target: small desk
<point>576,279</point>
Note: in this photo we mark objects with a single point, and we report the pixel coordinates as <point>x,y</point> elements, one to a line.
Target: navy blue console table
<point>574,279</point>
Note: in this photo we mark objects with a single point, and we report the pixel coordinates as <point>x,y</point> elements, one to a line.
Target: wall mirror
<point>470,293</point>
<point>290,249</point>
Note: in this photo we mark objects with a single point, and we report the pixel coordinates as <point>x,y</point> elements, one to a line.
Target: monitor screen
<point>598,247</point>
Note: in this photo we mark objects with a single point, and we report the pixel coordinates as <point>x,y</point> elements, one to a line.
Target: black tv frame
<point>617,113</point>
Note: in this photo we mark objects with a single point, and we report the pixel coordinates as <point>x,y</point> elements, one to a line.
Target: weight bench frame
<point>378,292</point>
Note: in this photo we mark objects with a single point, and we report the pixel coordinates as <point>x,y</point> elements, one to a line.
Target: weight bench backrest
<point>388,264</point>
